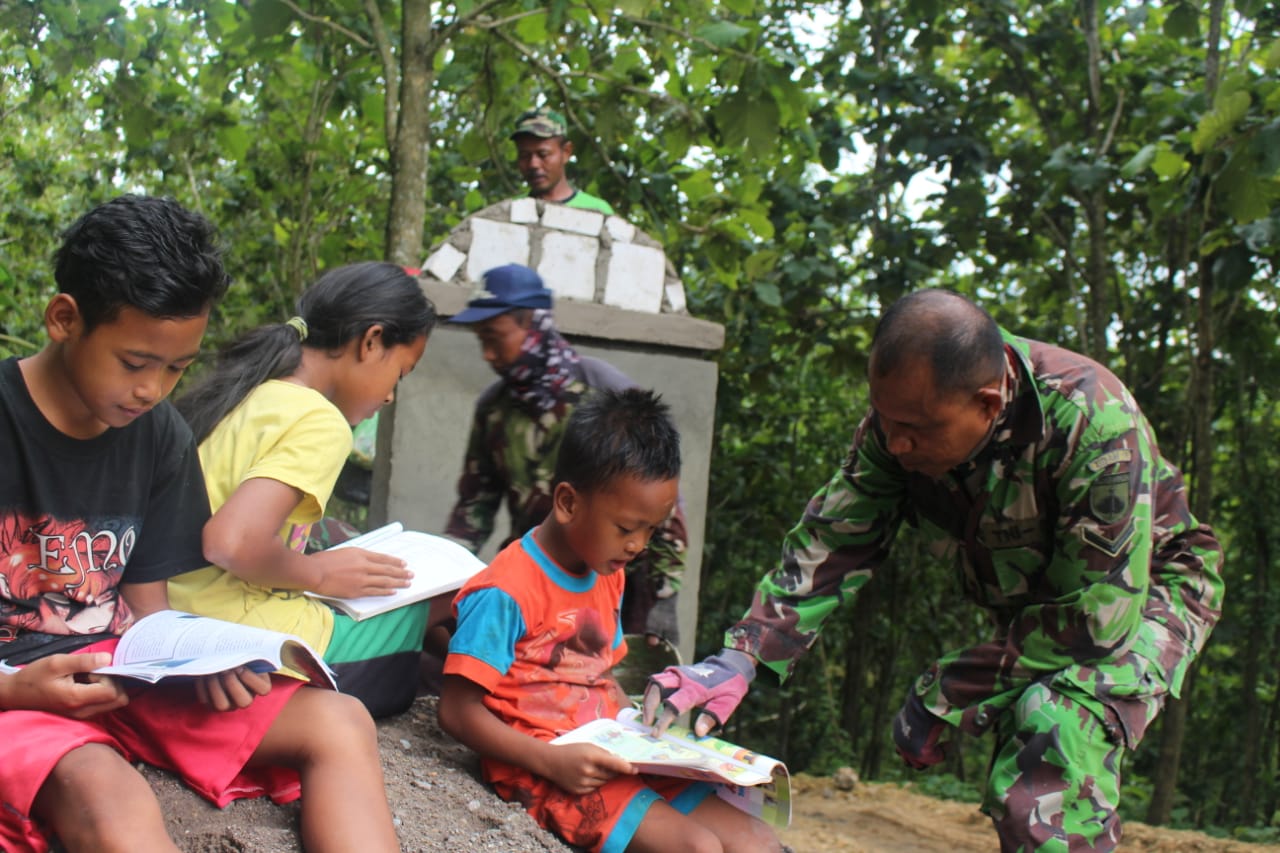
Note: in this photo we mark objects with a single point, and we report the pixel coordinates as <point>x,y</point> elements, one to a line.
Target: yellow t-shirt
<point>284,432</point>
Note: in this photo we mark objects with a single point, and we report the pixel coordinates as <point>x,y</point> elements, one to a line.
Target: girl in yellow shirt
<point>273,421</point>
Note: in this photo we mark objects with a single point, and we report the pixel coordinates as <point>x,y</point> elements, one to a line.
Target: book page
<point>734,763</point>
<point>171,642</point>
<point>438,564</point>
<point>174,635</point>
<point>755,783</point>
<point>666,754</point>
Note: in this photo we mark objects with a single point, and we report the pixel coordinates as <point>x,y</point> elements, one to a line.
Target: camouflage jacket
<point>511,455</point>
<point>1068,527</point>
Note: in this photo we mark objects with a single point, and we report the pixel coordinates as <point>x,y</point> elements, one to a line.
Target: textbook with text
<point>171,643</point>
<point>755,783</point>
<point>438,564</point>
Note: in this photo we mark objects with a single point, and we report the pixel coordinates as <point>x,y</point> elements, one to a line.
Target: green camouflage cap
<point>542,122</point>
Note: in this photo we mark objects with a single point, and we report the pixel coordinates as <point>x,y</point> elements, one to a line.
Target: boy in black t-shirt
<point>101,500</point>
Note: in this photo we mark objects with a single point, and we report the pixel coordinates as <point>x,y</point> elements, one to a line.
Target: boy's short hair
<point>151,254</point>
<point>616,433</point>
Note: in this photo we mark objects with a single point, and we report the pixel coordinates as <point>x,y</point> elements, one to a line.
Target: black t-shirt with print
<point>79,517</point>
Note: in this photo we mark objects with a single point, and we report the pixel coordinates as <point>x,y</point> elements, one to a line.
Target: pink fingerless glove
<point>714,686</point>
<point>916,733</point>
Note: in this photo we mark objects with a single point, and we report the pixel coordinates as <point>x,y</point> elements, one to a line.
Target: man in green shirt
<point>542,152</point>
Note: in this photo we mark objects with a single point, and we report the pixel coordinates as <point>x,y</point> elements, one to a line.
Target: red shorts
<point>608,817</point>
<point>164,726</point>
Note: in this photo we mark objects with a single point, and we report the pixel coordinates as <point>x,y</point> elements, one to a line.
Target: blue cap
<point>505,289</point>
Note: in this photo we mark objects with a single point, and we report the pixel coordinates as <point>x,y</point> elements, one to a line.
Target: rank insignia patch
<point>1110,547</point>
<point>1109,497</point>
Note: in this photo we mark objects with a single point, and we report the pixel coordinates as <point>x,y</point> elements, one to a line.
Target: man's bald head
<point>959,341</point>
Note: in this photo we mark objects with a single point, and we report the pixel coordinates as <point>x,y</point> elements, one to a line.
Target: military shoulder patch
<point>1109,497</point>
<point>1111,457</point>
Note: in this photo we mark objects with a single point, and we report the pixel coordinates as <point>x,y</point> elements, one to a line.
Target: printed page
<point>665,755</point>
<point>733,763</point>
<point>171,643</point>
<point>438,564</point>
<point>755,783</point>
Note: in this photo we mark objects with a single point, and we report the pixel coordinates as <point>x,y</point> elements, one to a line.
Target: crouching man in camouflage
<point>1034,467</point>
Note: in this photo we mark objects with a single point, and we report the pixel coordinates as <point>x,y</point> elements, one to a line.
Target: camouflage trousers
<point>1054,782</point>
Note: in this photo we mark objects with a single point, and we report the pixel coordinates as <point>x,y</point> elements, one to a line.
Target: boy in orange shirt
<point>539,632</point>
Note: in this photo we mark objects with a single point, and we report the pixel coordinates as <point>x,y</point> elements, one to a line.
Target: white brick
<point>565,218</point>
<point>620,229</point>
<point>568,265</point>
<point>444,262</point>
<point>675,298</point>
<point>524,210</point>
<point>494,244</point>
<point>636,278</point>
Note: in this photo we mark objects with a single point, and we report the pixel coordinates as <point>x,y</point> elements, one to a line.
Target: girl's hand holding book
<point>355,573</point>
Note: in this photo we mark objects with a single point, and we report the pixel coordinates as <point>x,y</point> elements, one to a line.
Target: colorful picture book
<point>755,783</point>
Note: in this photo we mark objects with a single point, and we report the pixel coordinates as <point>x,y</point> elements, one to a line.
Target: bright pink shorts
<point>164,726</point>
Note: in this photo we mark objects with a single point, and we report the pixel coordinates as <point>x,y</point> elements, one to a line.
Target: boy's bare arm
<point>578,768</point>
<point>222,691</point>
<point>243,537</point>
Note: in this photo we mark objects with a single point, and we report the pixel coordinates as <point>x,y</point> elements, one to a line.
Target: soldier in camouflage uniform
<point>1033,468</point>
<point>519,421</point>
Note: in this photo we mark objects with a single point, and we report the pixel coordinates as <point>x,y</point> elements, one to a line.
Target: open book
<point>438,565</point>
<point>755,783</point>
<point>171,643</point>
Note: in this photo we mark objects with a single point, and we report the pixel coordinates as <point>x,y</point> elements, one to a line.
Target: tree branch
<point>688,37</point>
<point>326,22</point>
<point>1115,122</point>
<point>497,22</point>
<point>446,32</point>
<point>389,72</point>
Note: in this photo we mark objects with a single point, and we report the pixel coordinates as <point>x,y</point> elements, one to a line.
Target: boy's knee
<point>337,721</point>
<point>705,841</point>
<point>95,800</point>
<point>87,774</point>
<point>756,837</point>
<point>346,714</point>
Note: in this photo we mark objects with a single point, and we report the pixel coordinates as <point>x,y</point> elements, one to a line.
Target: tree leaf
<point>1217,123</point>
<point>749,121</point>
<point>1139,162</point>
<point>1183,22</point>
<point>768,293</point>
<point>722,33</point>
<point>269,18</point>
<point>532,29</point>
<point>1169,164</point>
<point>1246,195</point>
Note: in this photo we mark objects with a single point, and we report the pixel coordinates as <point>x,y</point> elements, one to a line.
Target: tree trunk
<point>1097,266</point>
<point>408,206</point>
<point>1174,729</point>
<point>1243,806</point>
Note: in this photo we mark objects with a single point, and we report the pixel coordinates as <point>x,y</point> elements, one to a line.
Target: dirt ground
<point>440,806</point>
